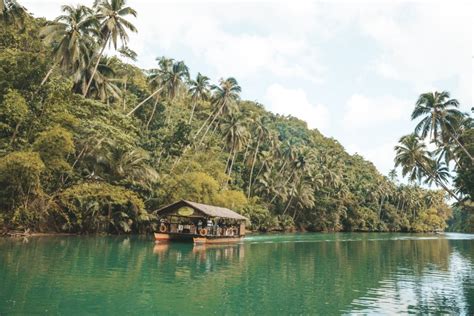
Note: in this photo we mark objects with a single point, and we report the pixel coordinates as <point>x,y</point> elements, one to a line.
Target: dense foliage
<point>91,143</point>
<point>451,134</point>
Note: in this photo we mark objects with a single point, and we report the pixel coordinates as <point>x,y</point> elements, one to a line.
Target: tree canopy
<point>90,143</point>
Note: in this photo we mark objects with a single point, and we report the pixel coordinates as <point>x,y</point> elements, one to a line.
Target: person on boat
<point>199,225</point>
<point>209,225</point>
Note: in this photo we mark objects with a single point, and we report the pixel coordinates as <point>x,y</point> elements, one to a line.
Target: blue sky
<point>352,69</point>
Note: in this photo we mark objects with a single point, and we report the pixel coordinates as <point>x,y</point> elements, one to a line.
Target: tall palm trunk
<point>152,114</point>
<point>48,74</point>
<point>380,208</point>
<point>246,152</point>
<point>232,164</point>
<point>289,203</point>
<point>204,124</point>
<point>462,147</point>
<point>212,122</point>
<point>286,182</point>
<point>192,111</point>
<point>439,182</point>
<point>227,162</point>
<point>143,102</point>
<point>251,169</point>
<point>124,92</point>
<point>97,64</point>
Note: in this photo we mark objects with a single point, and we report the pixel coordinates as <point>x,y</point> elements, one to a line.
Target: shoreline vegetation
<point>90,143</point>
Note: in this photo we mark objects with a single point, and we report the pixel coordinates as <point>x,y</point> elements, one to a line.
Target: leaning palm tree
<point>70,35</point>
<point>113,26</point>
<point>169,75</point>
<point>225,94</point>
<point>439,118</point>
<point>199,90</point>
<point>415,160</point>
<point>439,172</point>
<point>412,156</point>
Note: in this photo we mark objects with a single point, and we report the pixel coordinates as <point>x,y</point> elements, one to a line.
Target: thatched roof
<point>209,210</point>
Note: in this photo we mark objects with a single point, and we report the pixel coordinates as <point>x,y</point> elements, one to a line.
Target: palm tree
<point>439,117</point>
<point>287,153</point>
<point>132,165</point>
<point>175,77</point>
<point>392,175</point>
<point>236,135</point>
<point>199,89</point>
<point>103,85</point>
<point>113,26</point>
<point>412,156</point>
<point>12,12</point>
<point>261,132</point>
<point>169,75</point>
<point>224,95</point>
<point>70,35</point>
<point>298,166</point>
<point>439,172</point>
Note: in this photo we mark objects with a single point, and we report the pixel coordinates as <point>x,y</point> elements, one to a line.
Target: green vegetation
<point>91,143</point>
<point>452,134</point>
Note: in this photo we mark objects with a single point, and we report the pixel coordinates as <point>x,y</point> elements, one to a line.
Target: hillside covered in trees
<point>90,143</point>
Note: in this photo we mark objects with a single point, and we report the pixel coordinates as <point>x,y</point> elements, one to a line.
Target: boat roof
<point>209,210</point>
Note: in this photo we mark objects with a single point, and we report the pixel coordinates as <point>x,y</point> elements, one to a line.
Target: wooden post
<point>242,228</point>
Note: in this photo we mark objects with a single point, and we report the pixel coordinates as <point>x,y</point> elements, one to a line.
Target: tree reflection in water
<point>297,274</point>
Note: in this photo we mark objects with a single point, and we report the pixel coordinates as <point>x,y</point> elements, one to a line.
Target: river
<point>325,274</point>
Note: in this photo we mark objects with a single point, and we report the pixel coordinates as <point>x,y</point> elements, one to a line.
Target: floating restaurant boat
<point>200,223</point>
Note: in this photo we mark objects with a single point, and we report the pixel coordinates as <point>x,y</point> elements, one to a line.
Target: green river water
<point>324,274</point>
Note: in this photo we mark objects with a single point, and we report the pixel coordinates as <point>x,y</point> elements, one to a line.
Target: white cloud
<point>423,43</point>
<point>381,156</point>
<point>294,102</point>
<point>367,112</point>
<point>231,39</point>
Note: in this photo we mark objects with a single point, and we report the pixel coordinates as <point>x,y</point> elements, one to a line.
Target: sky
<point>351,69</point>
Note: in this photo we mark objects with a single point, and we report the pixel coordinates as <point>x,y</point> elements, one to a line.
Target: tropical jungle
<point>90,143</point>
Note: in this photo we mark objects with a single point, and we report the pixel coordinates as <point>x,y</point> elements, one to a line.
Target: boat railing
<point>212,231</point>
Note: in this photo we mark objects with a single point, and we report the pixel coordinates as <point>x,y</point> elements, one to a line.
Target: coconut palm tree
<point>113,26</point>
<point>199,90</point>
<point>415,160</point>
<point>70,35</point>
<point>175,78</point>
<point>103,85</point>
<point>225,94</point>
<point>392,175</point>
<point>132,165</point>
<point>236,135</point>
<point>412,156</point>
<point>439,116</point>
<point>157,82</point>
<point>170,76</point>
<point>439,172</point>
<point>261,132</point>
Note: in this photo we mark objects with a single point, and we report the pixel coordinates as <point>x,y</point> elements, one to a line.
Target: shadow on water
<point>293,273</point>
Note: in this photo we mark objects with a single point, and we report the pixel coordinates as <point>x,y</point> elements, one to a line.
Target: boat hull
<point>165,237</point>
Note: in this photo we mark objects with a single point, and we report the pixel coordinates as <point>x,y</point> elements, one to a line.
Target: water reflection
<point>281,274</point>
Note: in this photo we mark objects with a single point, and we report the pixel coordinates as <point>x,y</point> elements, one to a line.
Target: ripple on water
<point>266,274</point>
